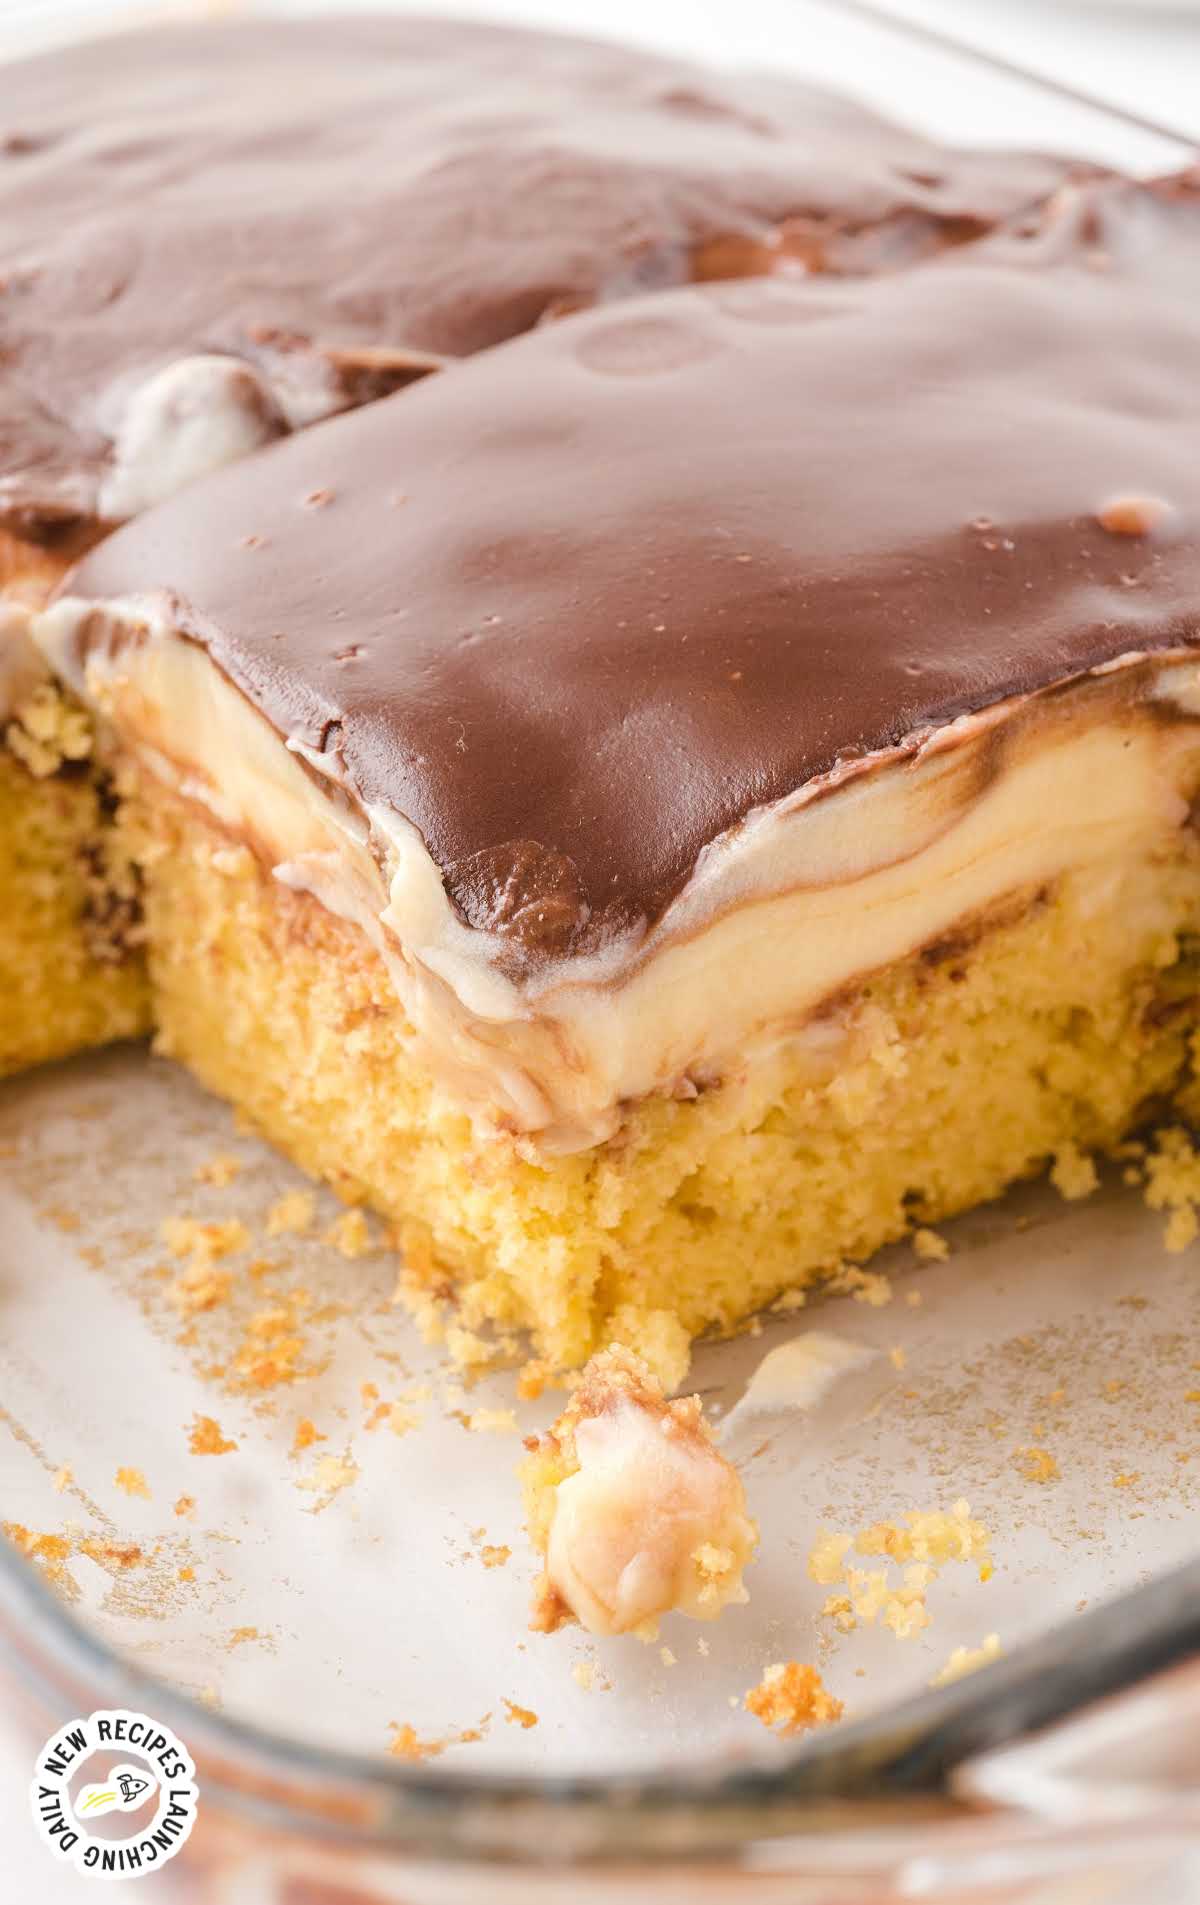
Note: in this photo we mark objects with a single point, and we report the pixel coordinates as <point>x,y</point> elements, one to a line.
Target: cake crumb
<point>241,1636</point>
<point>132,1482</point>
<point>205,1438</point>
<point>495,1556</point>
<point>1073,1174</point>
<point>1127,1480</point>
<point>350,1234</point>
<point>405,1744</point>
<point>965,1660</point>
<point>914,1298</point>
<point>187,1237</point>
<point>864,1286</point>
<point>492,1422</point>
<point>702,1647</point>
<point>898,1356</point>
<point>922,1545</point>
<point>1036,1465</point>
<point>1172,1167</point>
<point>62,1478</point>
<point>185,1505</point>
<point>583,1673</point>
<point>306,1434</point>
<point>328,1478</point>
<point>929,1245</point>
<point>292,1215</point>
<point>186,1574</point>
<point>633,1508</point>
<point>200,1286</point>
<point>667,1657</point>
<point>519,1716</point>
<point>219,1171</point>
<point>791,1699</point>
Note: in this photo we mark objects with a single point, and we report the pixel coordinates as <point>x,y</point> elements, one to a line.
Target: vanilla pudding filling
<point>783,914</point>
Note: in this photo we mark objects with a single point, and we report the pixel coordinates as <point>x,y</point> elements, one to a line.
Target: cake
<point>195,262</point>
<point>726,810</point>
<point>632,1507</point>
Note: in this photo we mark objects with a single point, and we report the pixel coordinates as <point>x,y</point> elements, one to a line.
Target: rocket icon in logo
<point>123,1791</point>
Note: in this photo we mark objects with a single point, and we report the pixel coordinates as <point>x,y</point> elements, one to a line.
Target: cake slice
<point>212,235</point>
<point>711,786</point>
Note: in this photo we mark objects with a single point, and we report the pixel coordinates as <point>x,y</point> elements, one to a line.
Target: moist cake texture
<point>655,860</point>
<point>194,264</point>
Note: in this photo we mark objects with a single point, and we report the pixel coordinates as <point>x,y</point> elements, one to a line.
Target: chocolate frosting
<point>577,607</point>
<point>295,195</point>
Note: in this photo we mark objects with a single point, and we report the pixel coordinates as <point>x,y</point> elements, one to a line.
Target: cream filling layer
<point>782,914</point>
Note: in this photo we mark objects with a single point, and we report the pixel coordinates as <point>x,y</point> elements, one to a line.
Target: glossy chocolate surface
<point>578,607</point>
<point>309,195</point>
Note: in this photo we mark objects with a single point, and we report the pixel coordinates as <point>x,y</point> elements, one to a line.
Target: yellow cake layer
<point>68,979</point>
<point>1061,1019</point>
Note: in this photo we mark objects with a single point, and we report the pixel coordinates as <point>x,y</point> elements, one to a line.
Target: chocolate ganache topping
<point>212,234</point>
<point>578,607</point>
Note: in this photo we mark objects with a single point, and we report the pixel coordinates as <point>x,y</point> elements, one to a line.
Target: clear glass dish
<point>317,1617</point>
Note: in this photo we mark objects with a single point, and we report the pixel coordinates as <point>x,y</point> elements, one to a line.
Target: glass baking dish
<point>1067,1771</point>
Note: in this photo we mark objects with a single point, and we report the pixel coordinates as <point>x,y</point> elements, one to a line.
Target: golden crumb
<point>1172,1167</point>
<point>205,1438</point>
<point>201,1285</point>
<point>965,1660</point>
<point>492,1422</point>
<point>583,1673</point>
<point>132,1482</point>
<point>331,1474</point>
<point>187,1237</point>
<point>292,1215</point>
<point>865,1286</point>
<point>789,1301</point>
<point>925,1542</point>
<point>519,1716</point>
<point>240,1636</point>
<point>1073,1173</point>
<point>219,1171</point>
<point>62,1478</point>
<point>1036,1465</point>
<point>929,1245</point>
<point>667,1657</point>
<point>897,1356</point>
<point>306,1434</point>
<point>1127,1480</point>
<point>792,1699</point>
<point>914,1298</point>
<point>495,1556</point>
<point>827,1557</point>
<point>405,1744</point>
<point>350,1234</point>
<point>1182,1229</point>
<point>186,1574</point>
<point>185,1505</point>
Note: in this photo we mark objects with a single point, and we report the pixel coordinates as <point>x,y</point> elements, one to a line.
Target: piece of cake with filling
<point>729,806</point>
<point>197,259</point>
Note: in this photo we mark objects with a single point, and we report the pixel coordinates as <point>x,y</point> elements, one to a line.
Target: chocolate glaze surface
<point>579,606</point>
<point>297,195</point>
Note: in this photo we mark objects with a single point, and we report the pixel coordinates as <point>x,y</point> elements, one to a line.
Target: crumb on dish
<point>632,1507</point>
<point>791,1699</point>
